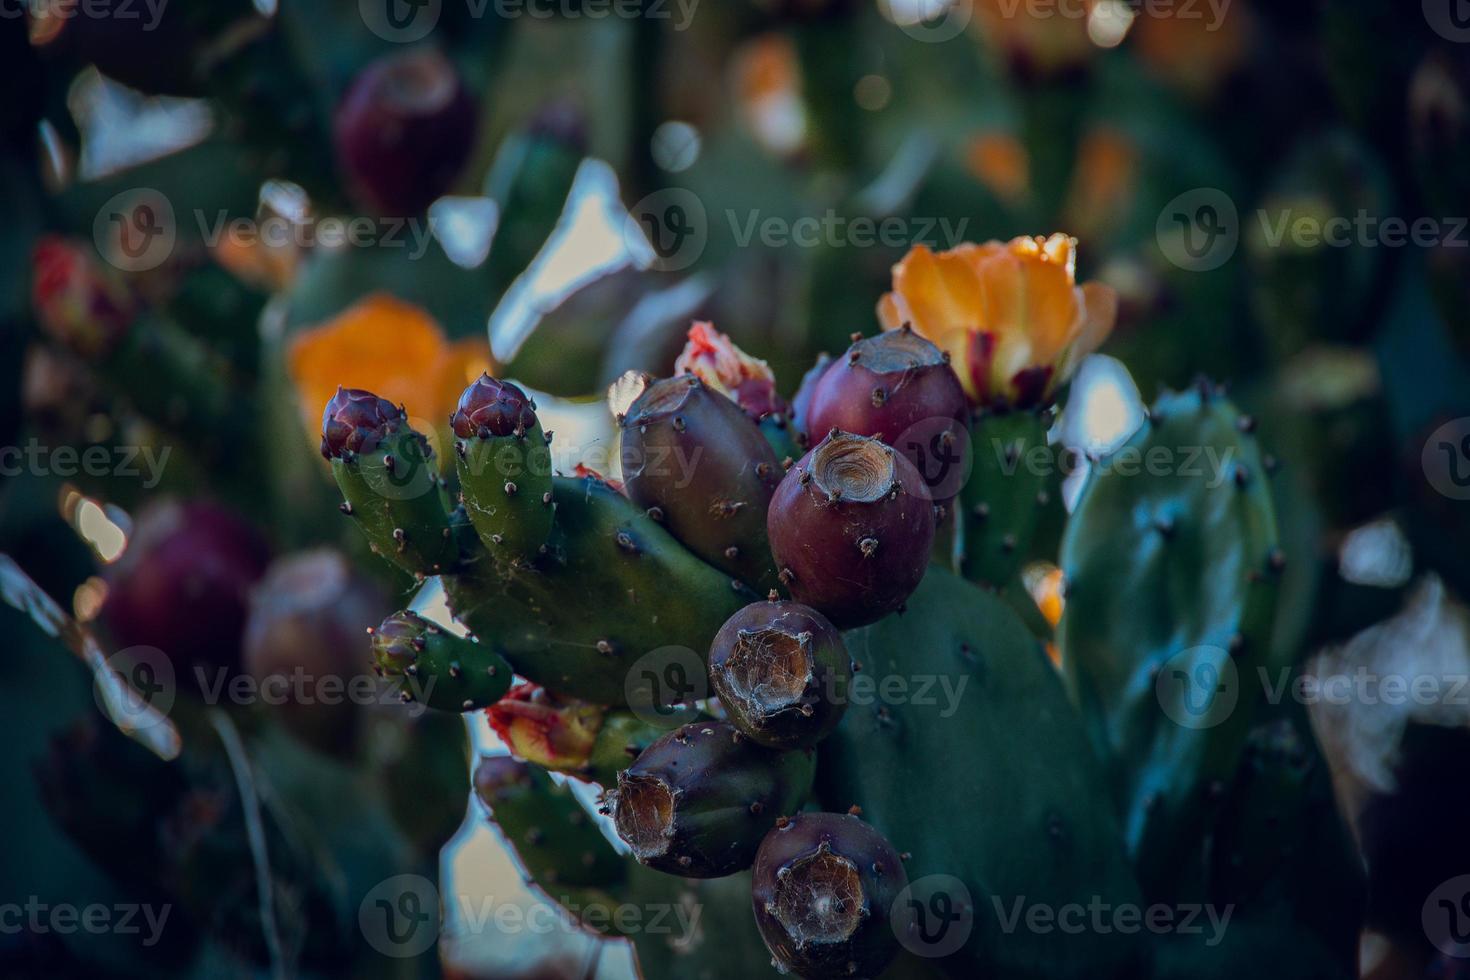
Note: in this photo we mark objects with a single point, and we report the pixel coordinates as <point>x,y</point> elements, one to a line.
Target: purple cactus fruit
<point>801,403</point>
<point>698,801</point>
<point>404,131</point>
<point>183,585</point>
<point>304,638</point>
<point>898,387</point>
<point>822,889</point>
<point>696,458</point>
<point>781,671</point>
<point>851,526</point>
<point>354,421</point>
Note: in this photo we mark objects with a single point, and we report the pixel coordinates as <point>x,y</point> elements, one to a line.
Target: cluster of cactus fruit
<point>796,580</point>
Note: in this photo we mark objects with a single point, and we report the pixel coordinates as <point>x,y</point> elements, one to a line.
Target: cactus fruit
<point>504,467</point>
<point>602,546</point>
<point>851,528</point>
<point>802,400</point>
<point>1180,522</point>
<point>183,585</point>
<point>692,456</point>
<point>307,616</point>
<point>697,802</point>
<point>437,668</point>
<point>781,671</point>
<point>897,387</point>
<point>386,473</point>
<point>822,889</point>
<point>403,131</point>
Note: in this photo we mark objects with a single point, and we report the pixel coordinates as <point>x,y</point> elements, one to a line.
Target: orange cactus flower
<point>393,349</point>
<point>715,360</point>
<point>552,732</point>
<point>1010,314</point>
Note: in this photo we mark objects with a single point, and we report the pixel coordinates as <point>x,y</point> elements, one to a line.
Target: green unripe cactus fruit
<point>436,667</point>
<point>698,801</point>
<point>386,473</point>
<point>504,466</point>
<point>1171,561</point>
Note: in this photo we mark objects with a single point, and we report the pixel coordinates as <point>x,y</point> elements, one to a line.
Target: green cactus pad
<point>395,495</point>
<point>613,587</point>
<point>555,839</point>
<point>1172,563</point>
<point>1002,501</point>
<point>980,735</point>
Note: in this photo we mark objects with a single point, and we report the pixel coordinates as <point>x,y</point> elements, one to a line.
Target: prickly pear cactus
<point>1172,561</point>
<point>881,771</point>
